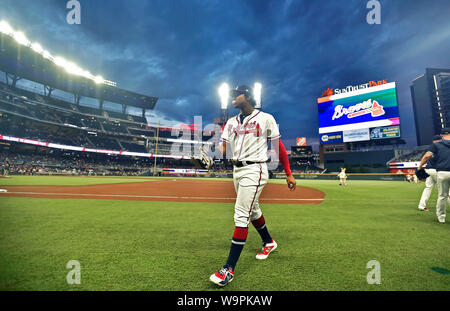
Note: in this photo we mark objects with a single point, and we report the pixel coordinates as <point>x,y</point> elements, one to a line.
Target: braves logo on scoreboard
<point>366,107</point>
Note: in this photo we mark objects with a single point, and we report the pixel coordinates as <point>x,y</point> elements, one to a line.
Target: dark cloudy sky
<point>182,50</point>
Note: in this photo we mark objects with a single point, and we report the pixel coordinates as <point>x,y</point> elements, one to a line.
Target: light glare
<point>21,38</point>
<point>60,61</point>
<point>99,79</point>
<point>46,54</point>
<point>6,28</point>
<point>37,48</point>
<point>257,90</point>
<point>72,68</point>
<point>224,91</point>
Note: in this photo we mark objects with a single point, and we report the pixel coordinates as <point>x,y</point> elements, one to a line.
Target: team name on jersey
<point>250,128</point>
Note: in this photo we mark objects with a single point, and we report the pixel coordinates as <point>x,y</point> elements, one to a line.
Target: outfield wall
<point>356,176</point>
<point>374,176</point>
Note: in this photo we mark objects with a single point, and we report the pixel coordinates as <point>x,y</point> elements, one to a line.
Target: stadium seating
<point>410,155</point>
<point>133,147</point>
<point>23,106</point>
<point>55,120</point>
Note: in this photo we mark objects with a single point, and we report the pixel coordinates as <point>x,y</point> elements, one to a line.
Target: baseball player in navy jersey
<point>247,135</point>
<point>440,151</point>
<point>431,180</point>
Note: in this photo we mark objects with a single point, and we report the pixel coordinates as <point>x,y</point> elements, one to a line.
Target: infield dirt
<point>168,190</point>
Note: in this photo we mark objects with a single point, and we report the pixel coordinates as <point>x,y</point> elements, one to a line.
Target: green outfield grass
<point>68,180</point>
<point>136,245</point>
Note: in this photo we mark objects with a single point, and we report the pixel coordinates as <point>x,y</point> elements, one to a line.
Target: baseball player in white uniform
<point>245,140</point>
<point>342,177</point>
<point>431,180</point>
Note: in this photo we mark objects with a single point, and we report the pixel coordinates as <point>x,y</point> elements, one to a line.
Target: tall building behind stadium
<point>430,94</point>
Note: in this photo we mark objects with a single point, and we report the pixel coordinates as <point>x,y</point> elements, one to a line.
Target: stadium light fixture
<point>21,38</point>
<point>224,91</point>
<point>87,74</point>
<point>257,91</point>
<point>61,62</point>
<point>46,54</point>
<point>99,79</point>
<point>6,28</point>
<point>72,68</point>
<point>37,48</point>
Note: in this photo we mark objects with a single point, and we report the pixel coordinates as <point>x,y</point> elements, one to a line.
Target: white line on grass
<point>148,196</point>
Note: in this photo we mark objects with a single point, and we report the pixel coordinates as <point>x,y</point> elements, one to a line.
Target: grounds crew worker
<point>440,151</point>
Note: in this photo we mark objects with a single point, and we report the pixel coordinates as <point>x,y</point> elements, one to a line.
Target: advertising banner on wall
<point>385,132</point>
<point>301,141</point>
<point>356,135</point>
<point>331,138</point>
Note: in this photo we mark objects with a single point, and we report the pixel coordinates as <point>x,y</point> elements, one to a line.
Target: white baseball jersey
<point>342,175</point>
<point>248,140</point>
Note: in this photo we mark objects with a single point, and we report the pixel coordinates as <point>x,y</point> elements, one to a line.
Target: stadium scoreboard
<point>362,114</point>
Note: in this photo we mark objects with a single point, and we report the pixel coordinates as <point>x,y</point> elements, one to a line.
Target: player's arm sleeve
<point>431,151</point>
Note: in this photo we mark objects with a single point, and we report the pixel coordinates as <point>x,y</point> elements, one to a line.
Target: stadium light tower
<point>257,92</point>
<point>224,93</point>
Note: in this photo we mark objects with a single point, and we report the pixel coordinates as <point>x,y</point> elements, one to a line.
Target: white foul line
<point>147,196</point>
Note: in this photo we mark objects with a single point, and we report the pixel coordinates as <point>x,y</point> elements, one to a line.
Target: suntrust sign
<point>351,88</point>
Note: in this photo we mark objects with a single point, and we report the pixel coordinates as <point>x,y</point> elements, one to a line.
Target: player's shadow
<point>441,270</point>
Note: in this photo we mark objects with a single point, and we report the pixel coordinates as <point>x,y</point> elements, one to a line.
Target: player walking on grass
<point>431,180</point>
<point>247,135</point>
<point>440,151</point>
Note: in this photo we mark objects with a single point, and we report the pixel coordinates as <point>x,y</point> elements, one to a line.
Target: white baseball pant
<point>249,182</point>
<point>430,182</point>
<point>443,183</point>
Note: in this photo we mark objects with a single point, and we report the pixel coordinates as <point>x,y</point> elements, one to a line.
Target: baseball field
<point>164,234</point>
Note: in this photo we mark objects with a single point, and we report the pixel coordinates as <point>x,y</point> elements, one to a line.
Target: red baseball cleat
<point>223,277</point>
<point>266,250</point>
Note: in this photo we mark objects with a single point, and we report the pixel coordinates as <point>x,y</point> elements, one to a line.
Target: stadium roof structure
<point>23,61</point>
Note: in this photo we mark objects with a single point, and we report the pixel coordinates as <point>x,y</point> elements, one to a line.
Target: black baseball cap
<point>445,130</point>
<point>241,89</point>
